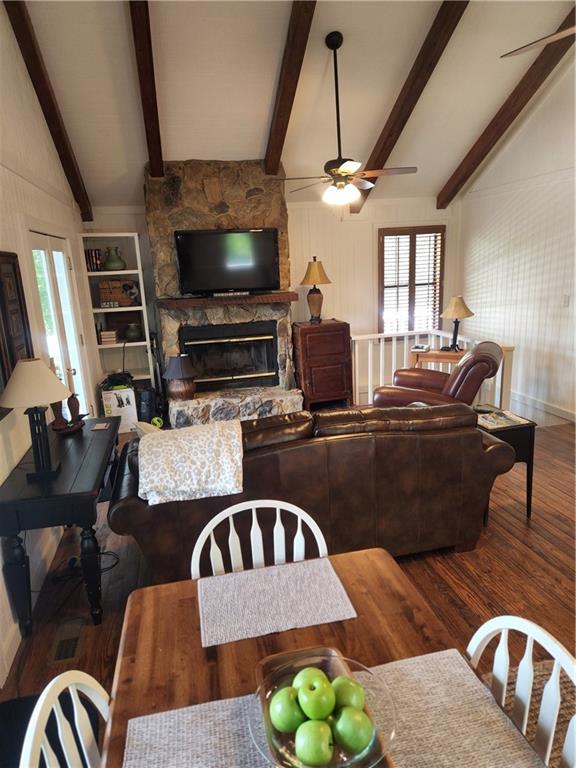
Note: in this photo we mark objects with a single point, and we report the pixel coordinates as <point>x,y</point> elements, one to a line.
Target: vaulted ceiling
<point>217,66</point>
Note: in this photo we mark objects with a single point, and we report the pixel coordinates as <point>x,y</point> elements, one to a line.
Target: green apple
<point>349,692</point>
<point>353,729</point>
<point>307,674</point>
<point>317,698</point>
<point>313,743</point>
<point>285,712</point>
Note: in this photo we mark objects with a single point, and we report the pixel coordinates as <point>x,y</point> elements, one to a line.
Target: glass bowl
<point>279,671</point>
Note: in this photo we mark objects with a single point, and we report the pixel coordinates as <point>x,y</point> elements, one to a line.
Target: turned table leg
<point>90,560</point>
<point>17,576</point>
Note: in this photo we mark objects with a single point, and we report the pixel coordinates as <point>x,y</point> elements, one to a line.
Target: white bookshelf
<point>132,356</point>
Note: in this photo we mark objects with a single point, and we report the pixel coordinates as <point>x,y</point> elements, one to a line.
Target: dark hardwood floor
<point>519,567</point>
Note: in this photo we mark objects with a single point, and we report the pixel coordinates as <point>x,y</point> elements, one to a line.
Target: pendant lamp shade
<point>457,309</point>
<point>32,384</point>
<point>315,274</point>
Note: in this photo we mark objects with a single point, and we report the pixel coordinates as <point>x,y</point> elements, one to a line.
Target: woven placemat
<point>264,600</point>
<point>445,718</point>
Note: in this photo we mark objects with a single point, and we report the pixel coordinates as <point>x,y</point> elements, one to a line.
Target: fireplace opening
<point>233,355</point>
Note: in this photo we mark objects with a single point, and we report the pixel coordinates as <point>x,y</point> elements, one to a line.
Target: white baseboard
<point>542,405</point>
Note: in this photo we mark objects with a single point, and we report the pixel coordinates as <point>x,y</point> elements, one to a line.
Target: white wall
<point>347,245</point>
<point>517,252</point>
<point>33,193</point>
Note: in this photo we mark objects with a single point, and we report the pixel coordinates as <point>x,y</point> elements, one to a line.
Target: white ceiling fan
<point>541,41</point>
<point>342,173</point>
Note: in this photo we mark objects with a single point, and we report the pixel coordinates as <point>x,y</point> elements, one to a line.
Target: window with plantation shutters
<point>411,261</point>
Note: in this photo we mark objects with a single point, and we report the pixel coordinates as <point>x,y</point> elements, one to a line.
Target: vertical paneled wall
<point>347,245</point>
<point>517,247</point>
<point>33,193</point>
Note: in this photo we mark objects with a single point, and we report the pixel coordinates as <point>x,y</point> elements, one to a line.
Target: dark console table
<point>88,461</point>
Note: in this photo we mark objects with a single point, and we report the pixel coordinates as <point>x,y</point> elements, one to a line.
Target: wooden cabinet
<point>323,361</point>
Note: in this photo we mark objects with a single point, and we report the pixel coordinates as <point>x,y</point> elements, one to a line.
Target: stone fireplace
<point>233,356</point>
<point>213,194</point>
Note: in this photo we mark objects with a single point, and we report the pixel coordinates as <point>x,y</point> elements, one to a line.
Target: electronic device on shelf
<point>420,348</point>
<point>223,261</point>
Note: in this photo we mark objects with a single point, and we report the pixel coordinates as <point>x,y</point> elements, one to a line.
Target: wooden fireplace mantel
<point>278,297</point>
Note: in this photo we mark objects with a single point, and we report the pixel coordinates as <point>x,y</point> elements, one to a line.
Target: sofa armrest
<point>125,503</point>
<point>500,454</point>
<point>420,378</point>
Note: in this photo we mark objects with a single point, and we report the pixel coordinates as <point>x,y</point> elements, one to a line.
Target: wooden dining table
<point>162,665</point>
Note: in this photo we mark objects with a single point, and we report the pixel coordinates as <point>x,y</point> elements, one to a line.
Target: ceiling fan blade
<point>299,189</point>
<point>541,41</point>
<point>362,183</point>
<point>350,166</point>
<point>385,172</point>
<point>307,178</point>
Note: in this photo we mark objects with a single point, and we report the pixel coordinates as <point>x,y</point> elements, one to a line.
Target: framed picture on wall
<point>15,338</point>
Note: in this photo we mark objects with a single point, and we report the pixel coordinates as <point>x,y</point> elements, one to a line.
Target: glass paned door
<point>58,303</point>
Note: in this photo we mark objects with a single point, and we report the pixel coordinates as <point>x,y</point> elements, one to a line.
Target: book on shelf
<point>106,337</point>
<point>93,257</point>
<point>496,419</point>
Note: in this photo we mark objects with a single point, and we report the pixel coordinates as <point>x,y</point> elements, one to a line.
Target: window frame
<point>412,231</point>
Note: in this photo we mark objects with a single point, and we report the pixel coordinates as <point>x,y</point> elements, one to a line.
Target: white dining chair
<point>551,695</point>
<point>36,742</point>
<point>256,539</point>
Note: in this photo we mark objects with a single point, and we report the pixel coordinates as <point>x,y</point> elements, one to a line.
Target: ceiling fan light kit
<point>342,173</point>
<point>341,193</point>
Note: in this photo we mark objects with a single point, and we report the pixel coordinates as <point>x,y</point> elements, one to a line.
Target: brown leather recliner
<point>406,479</point>
<point>424,385</point>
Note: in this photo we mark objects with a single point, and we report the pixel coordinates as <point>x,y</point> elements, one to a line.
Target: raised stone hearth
<point>222,405</point>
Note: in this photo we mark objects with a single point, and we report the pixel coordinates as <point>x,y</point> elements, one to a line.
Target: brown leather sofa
<point>425,385</point>
<point>406,479</point>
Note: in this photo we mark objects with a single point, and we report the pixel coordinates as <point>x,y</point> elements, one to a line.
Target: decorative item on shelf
<point>133,332</point>
<point>315,275</point>
<point>32,385</point>
<point>456,310</point>
<point>179,376</point>
<point>118,293</point>
<point>113,261</point>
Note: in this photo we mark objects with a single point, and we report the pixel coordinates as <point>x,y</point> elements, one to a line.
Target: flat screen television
<point>220,260</point>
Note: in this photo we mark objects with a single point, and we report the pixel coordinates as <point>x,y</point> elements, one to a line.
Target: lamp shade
<point>32,384</point>
<point>179,367</point>
<point>315,274</point>
<point>457,309</point>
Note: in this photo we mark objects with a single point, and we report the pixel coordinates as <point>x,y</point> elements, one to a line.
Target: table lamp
<point>179,375</point>
<point>456,310</point>
<point>32,385</point>
<point>314,276</point>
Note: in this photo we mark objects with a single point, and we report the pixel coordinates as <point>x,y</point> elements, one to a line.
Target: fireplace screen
<point>234,355</point>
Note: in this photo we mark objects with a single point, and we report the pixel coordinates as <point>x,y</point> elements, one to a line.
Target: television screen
<point>219,260</point>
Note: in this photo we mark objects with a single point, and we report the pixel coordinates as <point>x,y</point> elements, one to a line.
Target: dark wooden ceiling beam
<point>28,44</point>
<point>294,50</point>
<point>140,16</point>
<point>508,112</point>
<point>443,26</point>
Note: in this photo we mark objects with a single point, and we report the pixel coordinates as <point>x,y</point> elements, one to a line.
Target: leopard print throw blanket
<point>191,463</point>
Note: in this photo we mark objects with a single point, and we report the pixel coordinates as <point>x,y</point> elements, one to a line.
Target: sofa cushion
<point>408,419</point>
<point>272,430</point>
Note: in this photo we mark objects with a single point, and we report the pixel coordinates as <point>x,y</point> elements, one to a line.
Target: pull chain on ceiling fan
<point>342,173</point>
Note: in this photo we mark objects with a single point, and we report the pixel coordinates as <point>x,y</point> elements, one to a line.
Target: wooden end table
<point>88,461</point>
<point>521,438</point>
<point>434,356</point>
